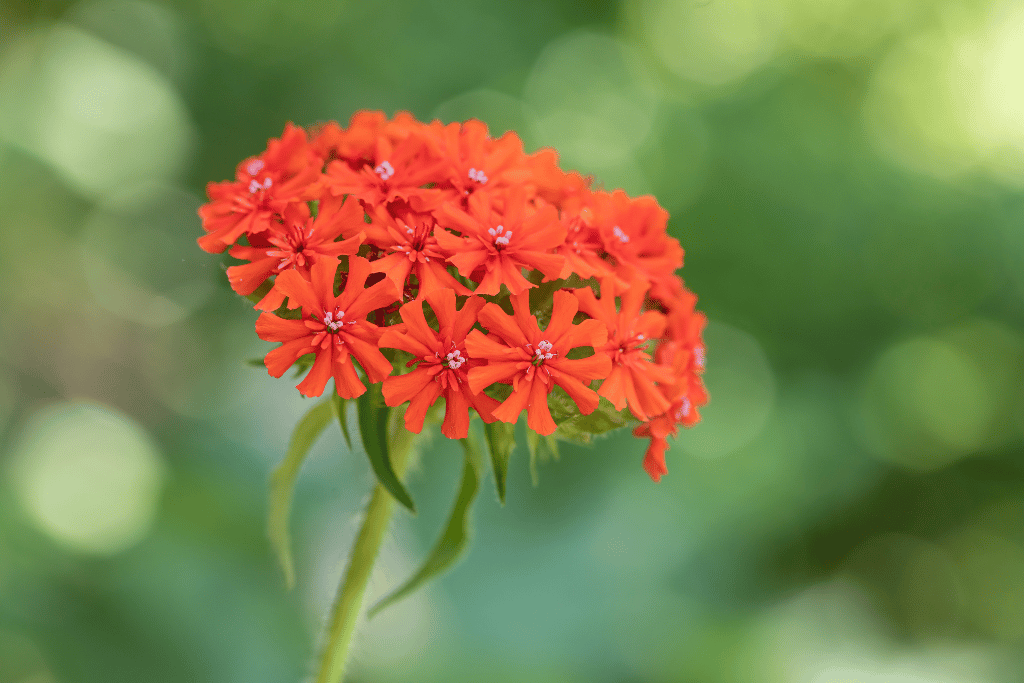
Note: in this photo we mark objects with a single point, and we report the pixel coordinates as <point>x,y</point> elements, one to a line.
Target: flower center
<point>255,186</point>
<point>334,321</point>
<point>623,237</point>
<point>384,169</point>
<point>418,236</point>
<point>501,236</point>
<point>254,167</point>
<point>632,344</point>
<point>478,175</point>
<point>454,360</point>
<point>290,251</point>
<point>543,352</point>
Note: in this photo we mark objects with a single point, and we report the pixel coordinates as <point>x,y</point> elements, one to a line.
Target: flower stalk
<point>349,600</point>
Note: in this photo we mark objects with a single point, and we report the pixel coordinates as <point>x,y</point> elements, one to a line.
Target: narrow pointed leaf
<point>500,442</point>
<point>455,537</point>
<point>339,406</point>
<point>582,428</point>
<point>541,449</point>
<point>373,429</point>
<point>534,474</point>
<point>532,443</point>
<point>552,444</point>
<point>282,483</point>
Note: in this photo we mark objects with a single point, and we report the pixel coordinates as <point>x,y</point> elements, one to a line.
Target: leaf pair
<point>373,430</point>
<point>454,538</point>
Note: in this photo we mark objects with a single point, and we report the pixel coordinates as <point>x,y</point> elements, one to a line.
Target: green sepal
<point>339,406</point>
<point>501,441</point>
<point>455,537</point>
<point>282,483</point>
<point>374,431</point>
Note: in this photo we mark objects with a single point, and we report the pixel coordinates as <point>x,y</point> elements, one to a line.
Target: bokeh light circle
<point>87,476</point>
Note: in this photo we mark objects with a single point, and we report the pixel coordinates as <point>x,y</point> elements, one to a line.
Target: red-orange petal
<point>538,417</point>
<point>484,376</point>
<point>316,379</point>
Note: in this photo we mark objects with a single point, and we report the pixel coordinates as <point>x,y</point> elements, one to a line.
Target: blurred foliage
<point>847,178</point>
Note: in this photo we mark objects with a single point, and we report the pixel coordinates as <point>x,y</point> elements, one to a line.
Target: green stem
<point>364,553</point>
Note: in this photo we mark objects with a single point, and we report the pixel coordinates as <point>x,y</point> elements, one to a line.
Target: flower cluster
<point>432,254</point>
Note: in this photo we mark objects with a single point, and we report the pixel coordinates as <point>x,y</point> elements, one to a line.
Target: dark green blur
<point>847,179</point>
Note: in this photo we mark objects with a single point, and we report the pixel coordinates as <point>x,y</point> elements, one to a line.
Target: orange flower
<point>634,235</point>
<point>297,244</point>
<point>658,430</point>
<point>442,364</point>
<point>533,362</point>
<point>332,327</point>
<point>412,249</point>
<point>683,352</point>
<point>478,162</point>
<point>396,170</point>
<point>496,246</point>
<point>583,247</point>
<point>443,211</point>
<point>357,142</point>
<point>633,375</point>
<point>287,172</point>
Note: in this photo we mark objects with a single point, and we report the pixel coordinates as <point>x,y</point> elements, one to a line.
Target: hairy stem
<point>364,553</point>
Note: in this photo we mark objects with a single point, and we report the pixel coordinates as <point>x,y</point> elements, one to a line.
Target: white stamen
<point>334,322</point>
<point>623,237</point>
<point>455,359</point>
<point>409,231</point>
<point>255,185</point>
<point>500,236</point>
<point>639,337</point>
<point>698,357</point>
<point>255,166</point>
<point>684,409</point>
<point>543,350</point>
<point>478,176</point>
<point>384,169</point>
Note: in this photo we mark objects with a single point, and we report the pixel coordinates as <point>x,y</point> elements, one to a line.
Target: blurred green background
<point>847,178</point>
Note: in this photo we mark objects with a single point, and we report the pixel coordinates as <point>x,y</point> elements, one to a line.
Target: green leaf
<point>580,428</point>
<point>373,429</point>
<point>305,362</point>
<point>455,537</point>
<point>501,441</point>
<point>282,483</point>
<point>561,405</point>
<point>339,406</point>
<point>532,444</point>
<point>541,449</point>
<point>260,292</point>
